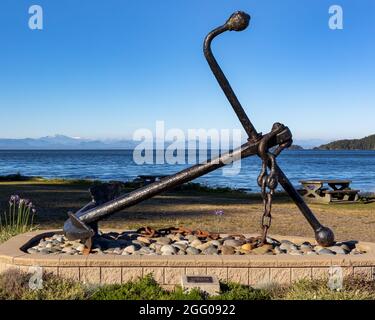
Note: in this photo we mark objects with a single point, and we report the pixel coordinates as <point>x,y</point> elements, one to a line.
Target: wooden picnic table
<point>147,179</point>
<point>338,191</point>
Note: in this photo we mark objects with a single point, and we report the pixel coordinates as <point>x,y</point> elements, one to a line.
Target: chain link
<point>268,182</point>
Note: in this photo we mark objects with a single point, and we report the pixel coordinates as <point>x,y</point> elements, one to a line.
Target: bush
<point>14,285</point>
<point>353,289</point>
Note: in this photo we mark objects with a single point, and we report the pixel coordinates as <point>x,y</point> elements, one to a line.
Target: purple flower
<point>219,212</point>
<point>14,199</point>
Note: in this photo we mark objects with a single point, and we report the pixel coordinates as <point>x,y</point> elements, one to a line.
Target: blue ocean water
<point>358,166</point>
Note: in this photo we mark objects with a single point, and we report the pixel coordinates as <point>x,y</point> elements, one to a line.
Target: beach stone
<point>143,240</point>
<point>204,246</point>
<point>181,253</point>
<point>117,251</point>
<point>164,240</point>
<point>355,251</point>
<point>130,249</point>
<point>233,243</point>
<point>32,250</point>
<point>191,237</point>
<point>180,246</point>
<point>68,250</point>
<point>155,246</point>
<point>80,247</point>
<point>277,250</point>
<point>272,241</point>
<point>168,250</point>
<point>183,242</point>
<point>195,243</point>
<point>311,253</point>
<point>247,247</point>
<point>263,249</point>
<point>145,250</point>
<point>175,237</point>
<point>337,249</point>
<point>227,250</point>
<point>287,245</point>
<point>306,246</point>
<point>215,243</point>
<point>192,251</point>
<point>295,253</point>
<point>211,250</point>
<point>325,251</point>
<point>44,251</point>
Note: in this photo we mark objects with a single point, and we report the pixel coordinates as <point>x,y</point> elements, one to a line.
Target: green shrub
<point>14,285</point>
<point>141,289</point>
<point>234,291</point>
<point>353,289</point>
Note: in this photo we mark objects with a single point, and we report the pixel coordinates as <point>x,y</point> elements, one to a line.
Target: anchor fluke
<point>75,229</point>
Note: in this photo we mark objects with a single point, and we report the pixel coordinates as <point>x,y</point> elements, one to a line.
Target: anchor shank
<point>149,191</point>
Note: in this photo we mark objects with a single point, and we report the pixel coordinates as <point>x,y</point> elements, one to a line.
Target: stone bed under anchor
<point>241,266</point>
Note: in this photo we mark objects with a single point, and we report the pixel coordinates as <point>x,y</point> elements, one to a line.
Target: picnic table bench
<point>338,191</point>
<point>147,179</point>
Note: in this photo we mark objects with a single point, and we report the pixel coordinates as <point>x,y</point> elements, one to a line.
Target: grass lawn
<point>194,209</point>
<point>14,285</point>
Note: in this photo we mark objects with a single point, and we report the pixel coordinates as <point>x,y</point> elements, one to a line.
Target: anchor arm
<point>323,235</point>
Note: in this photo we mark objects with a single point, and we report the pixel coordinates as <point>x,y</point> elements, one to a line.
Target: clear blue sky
<point>101,69</point>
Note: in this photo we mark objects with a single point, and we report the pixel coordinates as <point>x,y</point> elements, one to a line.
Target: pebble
<point>144,240</point>
<point>80,247</point>
<point>227,250</point>
<point>192,251</point>
<point>233,243</point>
<point>295,253</point>
<point>204,246</point>
<point>337,249</point>
<point>32,250</point>
<point>277,250</point>
<point>246,247</point>
<point>211,250</point>
<point>191,238</point>
<point>325,251</point>
<point>215,243</point>
<point>164,240</point>
<point>195,243</point>
<point>130,249</point>
<point>180,246</point>
<point>263,249</point>
<point>168,250</point>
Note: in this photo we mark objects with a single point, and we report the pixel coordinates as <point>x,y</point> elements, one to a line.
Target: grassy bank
<point>14,285</point>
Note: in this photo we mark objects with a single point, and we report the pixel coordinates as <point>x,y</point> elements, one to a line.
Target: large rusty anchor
<point>106,201</point>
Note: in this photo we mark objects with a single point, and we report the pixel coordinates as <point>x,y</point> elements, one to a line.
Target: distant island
<point>295,147</point>
<point>366,143</point>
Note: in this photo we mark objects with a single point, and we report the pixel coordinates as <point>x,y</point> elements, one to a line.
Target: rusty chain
<point>268,180</point>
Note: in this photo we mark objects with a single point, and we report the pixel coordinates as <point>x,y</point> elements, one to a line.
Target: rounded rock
<point>227,250</point>
<point>168,250</point>
<point>192,251</point>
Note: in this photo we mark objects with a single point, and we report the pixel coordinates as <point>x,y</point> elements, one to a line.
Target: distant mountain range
<point>366,143</point>
<point>61,142</point>
<point>64,142</point>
